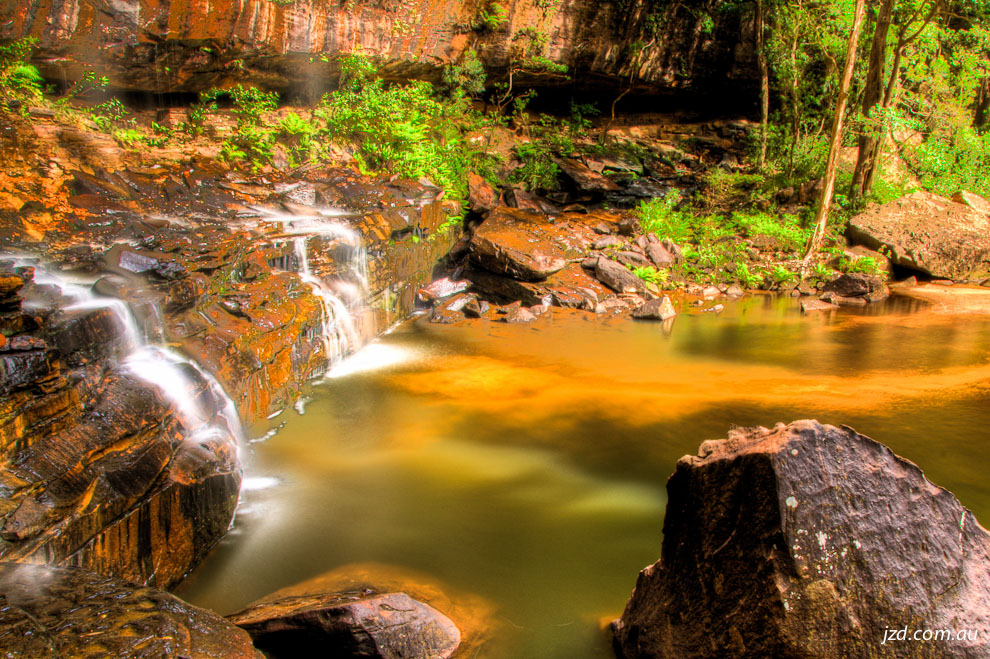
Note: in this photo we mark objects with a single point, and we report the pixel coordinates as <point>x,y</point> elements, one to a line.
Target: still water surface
<point>526,464</point>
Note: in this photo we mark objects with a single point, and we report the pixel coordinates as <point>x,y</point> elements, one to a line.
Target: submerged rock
<point>388,626</point>
<point>855,284</point>
<point>661,309</point>
<point>808,541</point>
<point>925,232</point>
<point>518,315</point>
<point>367,611</point>
<point>70,612</point>
<point>810,306</point>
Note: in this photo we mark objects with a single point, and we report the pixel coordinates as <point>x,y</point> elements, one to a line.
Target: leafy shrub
<point>661,216</point>
<point>297,134</point>
<point>746,278</point>
<point>356,70</point>
<point>651,275</point>
<point>128,136</point>
<point>491,18</point>
<point>781,276</point>
<point>724,189</point>
<point>466,77</point>
<point>821,272</point>
<point>949,162</point>
<point>88,83</point>
<point>108,114</point>
<point>18,79</point>
<point>864,264</point>
<point>401,129</point>
<point>786,229</point>
<point>538,170</point>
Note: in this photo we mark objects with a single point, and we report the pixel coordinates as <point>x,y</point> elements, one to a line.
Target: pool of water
<point>527,464</point>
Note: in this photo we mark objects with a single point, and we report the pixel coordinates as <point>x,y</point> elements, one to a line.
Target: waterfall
<point>346,319</point>
<point>179,380</point>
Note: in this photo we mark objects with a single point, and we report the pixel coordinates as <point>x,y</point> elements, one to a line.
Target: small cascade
<point>321,243</point>
<point>200,402</point>
<point>212,417</point>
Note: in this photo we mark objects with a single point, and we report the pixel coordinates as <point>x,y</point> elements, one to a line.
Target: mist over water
<point>527,464</point>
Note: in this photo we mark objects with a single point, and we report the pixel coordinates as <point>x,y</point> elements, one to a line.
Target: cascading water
<point>206,413</point>
<point>346,321</point>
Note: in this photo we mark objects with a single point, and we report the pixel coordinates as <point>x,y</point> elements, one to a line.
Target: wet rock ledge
<point>69,612</point>
<point>97,468</point>
<point>808,540</point>
<point>261,281</point>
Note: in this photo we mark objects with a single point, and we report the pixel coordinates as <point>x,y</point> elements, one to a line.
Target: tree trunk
<point>982,115</point>
<point>872,94</point>
<point>795,107</point>
<point>761,60</point>
<point>835,143</point>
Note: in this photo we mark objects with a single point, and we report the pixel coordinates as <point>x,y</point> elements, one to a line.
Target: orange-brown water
<point>526,464</point>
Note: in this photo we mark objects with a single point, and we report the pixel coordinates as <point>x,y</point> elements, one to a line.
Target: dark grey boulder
<point>803,541</point>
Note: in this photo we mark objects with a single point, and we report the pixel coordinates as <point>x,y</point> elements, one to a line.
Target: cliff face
<point>163,46</point>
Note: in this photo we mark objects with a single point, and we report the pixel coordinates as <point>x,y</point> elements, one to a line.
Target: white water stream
<point>345,324</point>
<point>177,378</point>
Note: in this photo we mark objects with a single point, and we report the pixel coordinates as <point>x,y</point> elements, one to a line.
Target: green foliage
<point>108,114</point>
<point>297,137</point>
<point>206,104</point>
<point>356,70</point>
<point>87,84</point>
<point>822,272</point>
<point>781,276</point>
<point>786,229</point>
<point>746,278</point>
<point>538,170</point>
<point>253,140</point>
<point>886,190</point>
<point>491,18</point>
<point>403,129</point>
<point>466,77</point>
<point>950,161</point>
<point>661,217</point>
<point>160,135</point>
<point>19,79</point>
<point>128,136</point>
<point>864,264</point>
<point>650,275</point>
<point>724,189</point>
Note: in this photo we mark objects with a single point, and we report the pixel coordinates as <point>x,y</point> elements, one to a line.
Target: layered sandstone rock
<point>97,465</point>
<point>165,46</point>
<point>69,612</point>
<point>809,541</point>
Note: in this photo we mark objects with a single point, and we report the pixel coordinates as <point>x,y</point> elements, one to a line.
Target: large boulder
<point>928,233</point>
<point>69,612</point>
<point>809,541</point>
<point>518,244</point>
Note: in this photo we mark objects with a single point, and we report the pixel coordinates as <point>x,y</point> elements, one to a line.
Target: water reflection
<point>527,464</point>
